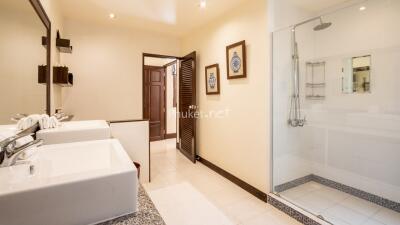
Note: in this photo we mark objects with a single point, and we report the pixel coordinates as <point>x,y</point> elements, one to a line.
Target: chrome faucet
<point>9,152</point>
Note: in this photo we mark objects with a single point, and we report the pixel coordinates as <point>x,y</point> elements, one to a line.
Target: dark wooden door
<point>154,101</point>
<point>187,106</point>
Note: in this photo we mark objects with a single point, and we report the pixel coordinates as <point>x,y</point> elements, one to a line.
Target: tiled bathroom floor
<point>170,169</point>
<point>338,207</point>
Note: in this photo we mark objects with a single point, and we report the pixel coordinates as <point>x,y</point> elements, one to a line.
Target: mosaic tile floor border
<point>389,204</point>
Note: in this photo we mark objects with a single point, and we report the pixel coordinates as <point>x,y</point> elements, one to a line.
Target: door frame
<point>144,55</point>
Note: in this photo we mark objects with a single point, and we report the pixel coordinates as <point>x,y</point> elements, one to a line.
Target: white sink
<point>75,183</point>
<point>76,131</point>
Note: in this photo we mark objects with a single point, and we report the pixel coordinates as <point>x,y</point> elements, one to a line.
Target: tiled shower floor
<point>338,207</point>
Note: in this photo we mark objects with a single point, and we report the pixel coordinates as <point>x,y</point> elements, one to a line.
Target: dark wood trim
<point>169,136</point>
<point>171,63</point>
<point>127,121</point>
<point>247,187</point>
<point>165,103</point>
<point>144,55</point>
<point>243,44</point>
<point>149,155</point>
<point>218,79</point>
<point>160,56</point>
<point>37,6</point>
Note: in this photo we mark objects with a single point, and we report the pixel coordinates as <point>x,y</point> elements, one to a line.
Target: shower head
<point>322,25</point>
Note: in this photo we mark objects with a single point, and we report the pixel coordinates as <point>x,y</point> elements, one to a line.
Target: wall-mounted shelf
<point>315,80</point>
<point>44,41</point>
<point>42,74</point>
<point>62,77</point>
<point>63,45</point>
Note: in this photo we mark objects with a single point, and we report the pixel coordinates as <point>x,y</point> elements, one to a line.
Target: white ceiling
<point>174,17</point>
<point>22,6</point>
<point>316,6</point>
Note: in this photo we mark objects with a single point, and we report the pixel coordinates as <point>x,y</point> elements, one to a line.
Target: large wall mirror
<point>357,75</point>
<point>22,51</point>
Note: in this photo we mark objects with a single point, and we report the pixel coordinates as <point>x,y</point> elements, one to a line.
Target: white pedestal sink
<point>76,131</point>
<point>75,183</point>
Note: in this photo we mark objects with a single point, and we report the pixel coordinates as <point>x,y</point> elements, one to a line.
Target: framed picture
<point>212,79</point>
<point>236,60</point>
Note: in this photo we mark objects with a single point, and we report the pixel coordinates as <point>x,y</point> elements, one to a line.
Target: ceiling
<point>174,17</point>
<point>316,6</point>
<point>22,6</point>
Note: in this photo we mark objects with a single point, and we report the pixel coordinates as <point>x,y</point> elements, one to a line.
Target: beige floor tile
<point>271,217</point>
<point>170,167</point>
<point>362,206</point>
<point>387,217</point>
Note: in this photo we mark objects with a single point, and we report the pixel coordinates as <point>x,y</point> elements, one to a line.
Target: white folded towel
<point>54,122</point>
<point>45,122</point>
<point>28,121</point>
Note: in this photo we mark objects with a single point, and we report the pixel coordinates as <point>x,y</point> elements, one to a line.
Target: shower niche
<point>315,80</point>
<point>356,75</point>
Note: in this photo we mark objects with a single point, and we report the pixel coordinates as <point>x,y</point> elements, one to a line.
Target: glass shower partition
<point>344,163</point>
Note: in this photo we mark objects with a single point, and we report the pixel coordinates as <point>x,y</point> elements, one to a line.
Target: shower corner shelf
<point>315,80</point>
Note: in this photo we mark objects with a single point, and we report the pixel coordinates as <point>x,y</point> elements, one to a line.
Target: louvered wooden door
<point>187,106</point>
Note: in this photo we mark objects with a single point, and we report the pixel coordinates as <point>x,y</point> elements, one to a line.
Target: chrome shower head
<point>322,25</point>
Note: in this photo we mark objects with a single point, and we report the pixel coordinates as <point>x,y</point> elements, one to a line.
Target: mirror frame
<point>37,6</point>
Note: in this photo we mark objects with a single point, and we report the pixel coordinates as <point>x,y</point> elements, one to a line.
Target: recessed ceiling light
<point>203,4</point>
<point>112,16</point>
<point>362,8</point>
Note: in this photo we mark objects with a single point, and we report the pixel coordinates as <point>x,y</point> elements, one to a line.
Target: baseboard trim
<point>169,136</point>
<point>247,187</point>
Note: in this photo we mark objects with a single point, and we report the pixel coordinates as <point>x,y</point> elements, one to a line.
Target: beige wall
<point>107,68</point>
<point>153,61</point>
<point>239,142</point>
<point>20,54</point>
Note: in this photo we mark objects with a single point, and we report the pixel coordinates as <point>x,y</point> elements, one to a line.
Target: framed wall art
<point>212,80</point>
<point>236,60</point>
